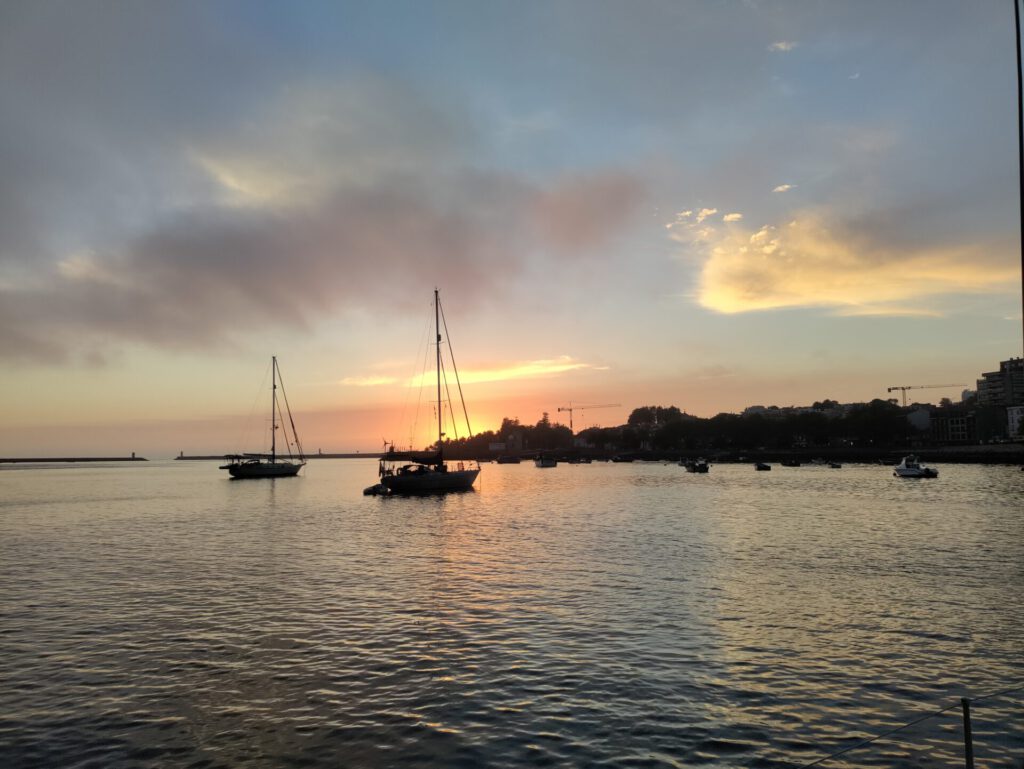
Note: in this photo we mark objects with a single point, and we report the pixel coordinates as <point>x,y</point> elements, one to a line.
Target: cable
<point>862,743</point>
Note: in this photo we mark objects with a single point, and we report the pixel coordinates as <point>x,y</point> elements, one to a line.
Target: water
<point>606,615</point>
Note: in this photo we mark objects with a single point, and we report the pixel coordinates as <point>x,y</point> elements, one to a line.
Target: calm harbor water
<point>602,615</point>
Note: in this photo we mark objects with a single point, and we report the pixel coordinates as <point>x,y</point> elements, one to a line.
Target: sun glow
<point>524,370</point>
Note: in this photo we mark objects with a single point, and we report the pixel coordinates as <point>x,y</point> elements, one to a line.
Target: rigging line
<point>409,384</point>
<point>423,375</point>
<point>287,406</point>
<point>244,440</point>
<point>447,392</point>
<point>458,383</point>
<point>1013,690</point>
<point>868,741</point>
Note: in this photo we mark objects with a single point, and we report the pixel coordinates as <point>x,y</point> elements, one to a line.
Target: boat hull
<point>431,482</point>
<point>264,469</point>
<point>924,472</point>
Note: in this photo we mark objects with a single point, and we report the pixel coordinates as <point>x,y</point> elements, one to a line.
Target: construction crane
<point>903,389</point>
<point>570,408</point>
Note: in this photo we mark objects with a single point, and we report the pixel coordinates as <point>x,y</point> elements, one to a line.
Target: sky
<point>705,204</point>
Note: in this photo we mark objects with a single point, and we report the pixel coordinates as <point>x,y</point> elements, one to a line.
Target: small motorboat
<point>762,466</point>
<point>911,467</point>
<point>545,462</point>
<point>695,465</point>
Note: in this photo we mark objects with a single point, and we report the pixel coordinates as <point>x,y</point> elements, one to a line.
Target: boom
<point>570,408</point>
<point>903,388</point>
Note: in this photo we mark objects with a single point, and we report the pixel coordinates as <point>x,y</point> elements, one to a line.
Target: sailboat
<point>270,465</point>
<point>427,473</point>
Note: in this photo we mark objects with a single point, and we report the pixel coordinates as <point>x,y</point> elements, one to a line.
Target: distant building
<point>1004,387</point>
<point>1015,422</point>
<point>953,425</point>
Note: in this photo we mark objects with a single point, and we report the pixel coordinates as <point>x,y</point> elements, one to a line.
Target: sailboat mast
<point>437,332</point>
<point>273,404</point>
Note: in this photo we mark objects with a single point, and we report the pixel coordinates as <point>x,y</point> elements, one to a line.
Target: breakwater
<point>48,460</point>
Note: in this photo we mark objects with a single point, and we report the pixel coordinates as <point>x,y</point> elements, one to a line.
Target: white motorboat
<point>911,467</point>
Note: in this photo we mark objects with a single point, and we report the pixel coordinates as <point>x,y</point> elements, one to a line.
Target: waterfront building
<point>1015,422</point>
<point>956,425</point>
<point>1004,387</point>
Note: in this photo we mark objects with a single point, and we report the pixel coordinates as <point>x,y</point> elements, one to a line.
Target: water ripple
<point>615,615</point>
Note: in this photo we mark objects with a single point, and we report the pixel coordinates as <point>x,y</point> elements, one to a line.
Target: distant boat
<point>508,459</point>
<point>835,465</point>
<point>910,467</point>
<point>790,463</point>
<point>270,465</point>
<point>417,473</point>
<point>695,465</point>
<point>618,458</point>
<point>762,466</point>
<point>545,462</point>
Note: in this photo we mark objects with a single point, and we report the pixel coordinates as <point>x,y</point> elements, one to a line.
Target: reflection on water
<point>607,614</point>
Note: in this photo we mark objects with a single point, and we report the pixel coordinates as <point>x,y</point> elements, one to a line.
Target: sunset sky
<point>702,204</point>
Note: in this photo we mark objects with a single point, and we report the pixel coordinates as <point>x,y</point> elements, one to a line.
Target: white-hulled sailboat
<point>270,465</point>
<point>427,473</point>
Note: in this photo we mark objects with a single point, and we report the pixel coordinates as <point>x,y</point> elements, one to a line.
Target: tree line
<point>878,424</point>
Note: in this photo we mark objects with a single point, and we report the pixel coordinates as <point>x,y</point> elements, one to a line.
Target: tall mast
<point>1020,141</point>
<point>437,331</point>
<point>273,404</point>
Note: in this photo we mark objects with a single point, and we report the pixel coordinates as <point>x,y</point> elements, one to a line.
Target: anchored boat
<point>911,467</point>
<point>271,465</point>
<point>403,472</point>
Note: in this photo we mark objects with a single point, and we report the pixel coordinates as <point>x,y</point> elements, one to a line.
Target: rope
<point>458,383</point>
<point>862,743</point>
<point>295,433</point>
<point>448,395</point>
<point>419,394</point>
<point>243,443</point>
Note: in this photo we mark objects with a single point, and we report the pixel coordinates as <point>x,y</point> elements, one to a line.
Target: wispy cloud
<point>506,372</point>
<point>732,217</point>
<point>809,262</point>
<point>367,381</point>
<point>704,213</point>
<point>784,188</point>
<point>301,212</point>
<point>782,46</point>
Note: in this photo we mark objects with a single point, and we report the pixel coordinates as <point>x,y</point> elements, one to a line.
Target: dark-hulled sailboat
<point>404,472</point>
<point>271,465</point>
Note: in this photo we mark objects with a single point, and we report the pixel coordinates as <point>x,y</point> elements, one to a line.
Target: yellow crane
<point>903,389</point>
<point>570,408</point>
